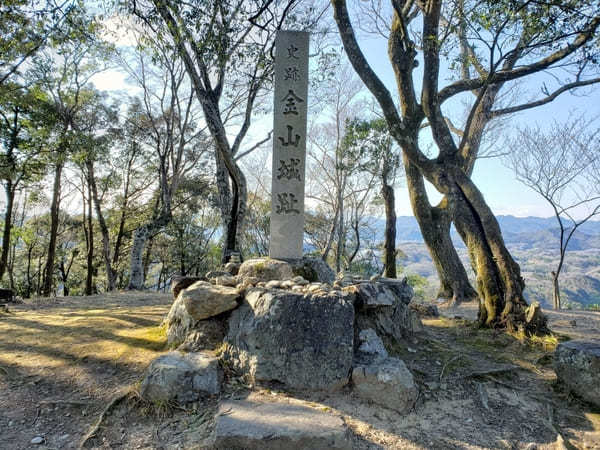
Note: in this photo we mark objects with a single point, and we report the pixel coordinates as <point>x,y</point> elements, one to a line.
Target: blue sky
<point>502,191</point>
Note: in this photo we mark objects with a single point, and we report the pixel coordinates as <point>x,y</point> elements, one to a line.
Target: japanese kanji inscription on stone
<point>289,144</point>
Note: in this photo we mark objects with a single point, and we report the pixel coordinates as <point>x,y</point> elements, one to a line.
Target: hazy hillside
<point>534,243</point>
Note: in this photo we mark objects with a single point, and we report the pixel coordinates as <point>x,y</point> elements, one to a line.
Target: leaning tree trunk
<point>389,245</point>
<point>54,210</point>
<point>499,276</point>
<point>434,223</point>
<point>488,279</point>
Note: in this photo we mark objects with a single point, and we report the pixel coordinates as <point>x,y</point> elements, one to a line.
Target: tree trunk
<point>140,237</point>
<point>233,199</point>
<point>224,197</point>
<point>555,291</point>
<point>147,259</point>
<point>499,276</point>
<point>121,232</point>
<point>64,278</point>
<point>236,217</point>
<point>10,200</point>
<point>434,223</point>
<point>27,293</point>
<point>54,210</point>
<point>39,277</point>
<point>340,235</point>
<point>111,276</point>
<point>331,235</point>
<point>11,265</point>
<point>389,246</point>
<point>341,230</point>
<point>241,212</point>
<point>89,280</point>
<point>136,277</point>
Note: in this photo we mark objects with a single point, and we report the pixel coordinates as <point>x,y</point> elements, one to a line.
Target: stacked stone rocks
<point>292,324</point>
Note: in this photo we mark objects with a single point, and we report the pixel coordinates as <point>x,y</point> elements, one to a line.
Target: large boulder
<point>386,382</point>
<point>384,307</point>
<point>265,269</point>
<point>181,378</point>
<point>205,335</point>
<point>313,270</point>
<point>178,322</point>
<point>257,424</point>
<point>203,299</point>
<point>577,365</point>
<point>192,334</point>
<point>304,341</point>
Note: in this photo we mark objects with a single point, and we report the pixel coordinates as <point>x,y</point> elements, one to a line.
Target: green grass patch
<point>155,336</point>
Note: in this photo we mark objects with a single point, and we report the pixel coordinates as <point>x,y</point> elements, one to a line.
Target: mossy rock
<point>266,269</point>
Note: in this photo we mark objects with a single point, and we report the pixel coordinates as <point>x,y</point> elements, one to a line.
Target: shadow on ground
<point>61,364</point>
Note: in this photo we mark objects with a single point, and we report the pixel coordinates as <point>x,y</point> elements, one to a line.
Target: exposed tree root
<point>64,402</point>
<point>96,426</point>
<point>492,370</point>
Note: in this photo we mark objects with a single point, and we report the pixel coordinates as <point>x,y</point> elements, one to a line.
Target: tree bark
<point>27,293</point>
<point>498,275</point>
<point>224,198</point>
<point>148,257</point>
<point>434,223</point>
<point>10,200</point>
<point>121,232</point>
<point>341,232</point>
<point>54,211</point>
<point>555,291</point>
<point>64,278</point>
<point>111,275</point>
<point>89,280</point>
<point>390,231</point>
<point>39,276</point>
<point>140,237</point>
<point>389,199</point>
<point>329,243</point>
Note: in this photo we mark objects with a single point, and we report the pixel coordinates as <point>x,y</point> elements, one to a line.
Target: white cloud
<point>110,80</point>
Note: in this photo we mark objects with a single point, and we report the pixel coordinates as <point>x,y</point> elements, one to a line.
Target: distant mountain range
<point>533,241</point>
<point>526,232</point>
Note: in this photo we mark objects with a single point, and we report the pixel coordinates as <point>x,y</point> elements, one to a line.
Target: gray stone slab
<point>289,144</point>
<point>255,423</point>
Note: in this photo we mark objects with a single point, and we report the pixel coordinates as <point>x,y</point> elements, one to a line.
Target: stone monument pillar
<point>289,144</point>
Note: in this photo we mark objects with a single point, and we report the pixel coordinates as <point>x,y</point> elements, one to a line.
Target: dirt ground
<point>62,361</point>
